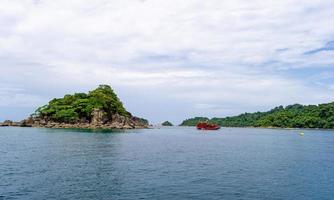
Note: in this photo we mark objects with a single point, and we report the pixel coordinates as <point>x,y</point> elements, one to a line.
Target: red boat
<point>207,126</point>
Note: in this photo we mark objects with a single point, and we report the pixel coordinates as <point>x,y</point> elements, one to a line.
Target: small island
<point>292,116</point>
<point>98,109</point>
<point>167,123</point>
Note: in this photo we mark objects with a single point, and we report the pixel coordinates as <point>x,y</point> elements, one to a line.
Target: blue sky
<point>167,60</point>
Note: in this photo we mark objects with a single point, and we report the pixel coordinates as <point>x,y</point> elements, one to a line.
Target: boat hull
<point>206,126</point>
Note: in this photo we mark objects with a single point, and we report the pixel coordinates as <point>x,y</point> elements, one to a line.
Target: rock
<point>28,122</point>
<point>43,122</point>
<point>126,126</point>
<point>7,123</point>
<point>98,117</point>
<point>25,123</point>
<point>16,124</point>
<point>99,120</point>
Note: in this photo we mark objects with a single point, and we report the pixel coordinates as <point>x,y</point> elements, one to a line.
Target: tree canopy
<point>167,123</point>
<point>79,106</point>
<point>194,121</point>
<point>292,116</point>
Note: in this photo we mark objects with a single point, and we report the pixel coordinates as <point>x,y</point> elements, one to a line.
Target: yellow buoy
<point>301,134</point>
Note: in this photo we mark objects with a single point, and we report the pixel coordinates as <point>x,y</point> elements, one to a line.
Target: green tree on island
<point>194,121</point>
<point>79,106</point>
<point>167,123</point>
<point>292,116</point>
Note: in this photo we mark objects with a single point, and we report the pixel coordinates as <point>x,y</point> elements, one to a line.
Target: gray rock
<point>100,119</point>
<point>7,123</point>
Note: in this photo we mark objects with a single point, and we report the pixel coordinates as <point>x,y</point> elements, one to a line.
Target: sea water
<point>166,163</point>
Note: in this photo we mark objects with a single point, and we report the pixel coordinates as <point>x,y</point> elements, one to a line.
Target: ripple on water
<point>174,163</point>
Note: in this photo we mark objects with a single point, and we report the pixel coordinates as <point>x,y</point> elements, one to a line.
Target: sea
<point>167,163</point>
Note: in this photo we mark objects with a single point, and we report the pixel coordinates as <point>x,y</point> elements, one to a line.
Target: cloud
<point>232,55</point>
<point>19,98</point>
<point>329,46</point>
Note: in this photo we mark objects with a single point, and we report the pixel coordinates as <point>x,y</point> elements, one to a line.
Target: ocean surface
<point>168,163</point>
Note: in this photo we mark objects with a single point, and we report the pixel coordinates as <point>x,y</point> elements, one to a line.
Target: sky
<point>167,60</point>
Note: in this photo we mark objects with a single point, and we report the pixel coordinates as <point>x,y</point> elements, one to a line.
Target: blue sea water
<point>168,163</point>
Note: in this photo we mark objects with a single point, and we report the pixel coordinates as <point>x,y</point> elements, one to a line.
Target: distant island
<point>100,108</point>
<point>292,116</point>
<point>167,123</point>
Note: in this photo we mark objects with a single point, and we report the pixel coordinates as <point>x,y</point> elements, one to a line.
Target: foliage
<point>167,123</point>
<point>142,120</point>
<point>292,116</point>
<point>79,106</point>
<point>194,121</point>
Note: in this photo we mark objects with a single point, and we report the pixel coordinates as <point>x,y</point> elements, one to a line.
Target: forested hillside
<point>292,116</point>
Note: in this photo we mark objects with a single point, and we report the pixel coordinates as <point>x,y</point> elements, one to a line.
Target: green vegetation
<point>167,123</point>
<point>293,116</point>
<point>72,108</point>
<point>142,120</point>
<point>193,121</point>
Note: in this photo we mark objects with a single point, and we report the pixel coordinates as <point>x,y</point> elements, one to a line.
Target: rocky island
<point>167,123</point>
<point>99,109</point>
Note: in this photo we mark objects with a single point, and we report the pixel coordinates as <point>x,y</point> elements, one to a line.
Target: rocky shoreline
<point>98,121</point>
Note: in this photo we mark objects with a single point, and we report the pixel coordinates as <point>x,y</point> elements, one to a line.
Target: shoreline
<point>118,122</point>
<point>279,128</point>
<point>68,126</point>
<point>85,126</point>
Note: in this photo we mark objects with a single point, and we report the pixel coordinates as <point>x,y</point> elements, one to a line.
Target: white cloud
<point>17,97</point>
<point>238,53</point>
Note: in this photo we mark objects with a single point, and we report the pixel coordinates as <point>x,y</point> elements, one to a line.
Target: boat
<point>207,126</point>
